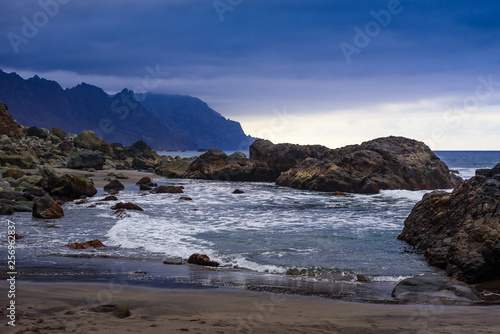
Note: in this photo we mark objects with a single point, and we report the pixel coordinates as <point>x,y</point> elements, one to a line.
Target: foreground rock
<point>203,260</point>
<point>127,206</point>
<point>96,243</point>
<point>383,163</point>
<point>460,232</point>
<point>429,287</point>
<point>114,185</point>
<point>168,190</point>
<point>46,208</point>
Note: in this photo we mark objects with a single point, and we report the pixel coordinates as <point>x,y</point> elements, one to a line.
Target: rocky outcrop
<point>90,141</point>
<point>127,206</point>
<point>174,167</point>
<point>217,165</point>
<point>8,126</point>
<point>460,231</point>
<point>66,186</point>
<point>168,190</point>
<point>430,287</point>
<point>46,208</point>
<point>383,163</point>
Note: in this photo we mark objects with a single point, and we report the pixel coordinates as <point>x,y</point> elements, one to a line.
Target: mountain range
<point>175,122</point>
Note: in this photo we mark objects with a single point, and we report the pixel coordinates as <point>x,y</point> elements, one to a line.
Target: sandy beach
<point>65,308</point>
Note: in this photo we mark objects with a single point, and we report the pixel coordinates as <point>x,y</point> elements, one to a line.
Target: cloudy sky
<point>308,72</point>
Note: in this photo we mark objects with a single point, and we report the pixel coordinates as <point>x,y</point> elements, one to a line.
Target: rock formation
<point>460,231</point>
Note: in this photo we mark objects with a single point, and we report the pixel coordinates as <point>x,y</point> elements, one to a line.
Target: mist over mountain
<point>163,121</point>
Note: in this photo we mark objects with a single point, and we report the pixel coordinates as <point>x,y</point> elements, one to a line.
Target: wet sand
<point>65,308</point>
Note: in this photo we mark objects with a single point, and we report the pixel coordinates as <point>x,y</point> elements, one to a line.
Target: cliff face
<point>460,232</point>
<point>178,122</point>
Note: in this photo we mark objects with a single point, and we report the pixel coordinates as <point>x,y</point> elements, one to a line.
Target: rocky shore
<point>460,232</point>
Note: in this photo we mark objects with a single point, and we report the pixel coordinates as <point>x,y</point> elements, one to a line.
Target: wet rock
<point>18,237</point>
<point>122,176</point>
<point>46,208</point>
<point>203,260</point>
<point>167,190</point>
<point>86,159</point>
<point>96,243</point>
<point>127,206</point>
<point>238,191</point>
<point>90,141</point>
<point>82,201</point>
<point>121,213</point>
<point>114,185</point>
<point>185,198</point>
<point>460,231</point>
<point>110,198</point>
<point>383,163</point>
<point>429,287</point>
<point>6,209</point>
<point>71,187</point>
<point>145,187</point>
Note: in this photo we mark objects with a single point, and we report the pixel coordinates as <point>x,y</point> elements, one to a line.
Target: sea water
<point>268,237</point>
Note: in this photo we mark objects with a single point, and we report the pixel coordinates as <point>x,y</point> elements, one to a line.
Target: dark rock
<point>167,190</point>
<point>86,159</point>
<point>46,208</point>
<point>174,169</point>
<point>216,165</point>
<point>66,146</point>
<point>82,201</point>
<point>6,209</point>
<point>122,176</point>
<point>96,243</point>
<point>121,213</point>
<point>59,133</point>
<point>14,173</point>
<point>238,191</point>
<point>185,198</point>
<point>71,187</point>
<point>203,260</point>
<point>145,187</point>
<point>140,164</point>
<point>8,126</point>
<point>110,198</point>
<point>127,206</point>
<point>144,180</point>
<point>460,231</point>
<point>383,163</point>
<point>140,146</point>
<point>44,133</point>
<point>114,185</point>
<point>90,141</point>
<point>428,287</point>
<point>18,237</point>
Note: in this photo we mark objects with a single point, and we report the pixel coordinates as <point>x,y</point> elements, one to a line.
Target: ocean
<point>270,238</point>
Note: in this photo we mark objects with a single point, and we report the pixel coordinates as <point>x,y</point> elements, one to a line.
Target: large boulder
<point>114,185</point>
<point>72,187</point>
<point>8,125</point>
<point>86,159</point>
<point>217,165</point>
<point>45,207</point>
<point>174,168</point>
<point>383,163</point>
<point>460,232</point>
<point>90,141</point>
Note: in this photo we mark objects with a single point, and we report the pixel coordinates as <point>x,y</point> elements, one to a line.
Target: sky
<point>307,72</point>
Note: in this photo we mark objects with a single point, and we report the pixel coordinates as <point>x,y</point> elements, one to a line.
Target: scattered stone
<point>61,134</point>
<point>144,180</point>
<point>127,206</point>
<point>14,173</point>
<point>203,260</point>
<point>53,226</point>
<point>144,187</point>
<point>122,176</point>
<point>46,208</point>
<point>6,209</point>
<point>141,272</point>
<point>110,198</point>
<point>18,237</point>
<point>339,193</point>
<point>114,185</point>
<point>86,159</point>
<point>238,191</point>
<point>121,213</point>
<point>431,287</point>
<point>185,198</point>
<point>168,190</point>
<point>82,201</point>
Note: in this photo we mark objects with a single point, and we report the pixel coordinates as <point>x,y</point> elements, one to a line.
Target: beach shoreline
<point>65,308</point>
